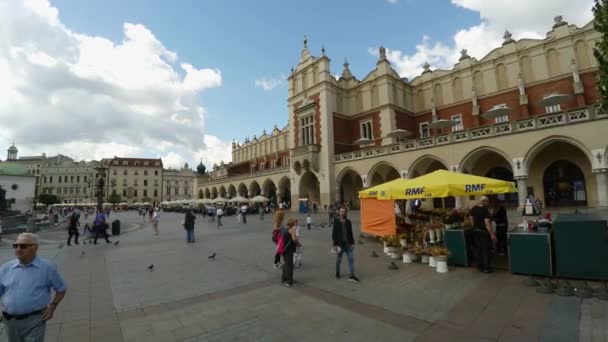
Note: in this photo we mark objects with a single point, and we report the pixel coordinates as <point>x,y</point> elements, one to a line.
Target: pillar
<point>601,179</point>
<point>522,190</point>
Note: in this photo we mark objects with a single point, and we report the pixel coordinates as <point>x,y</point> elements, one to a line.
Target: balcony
<point>523,125</point>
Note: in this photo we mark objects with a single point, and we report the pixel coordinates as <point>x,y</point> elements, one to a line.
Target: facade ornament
<point>346,74</point>
<point>426,67</point>
<point>463,55</point>
<point>518,164</point>
<point>507,38</point>
<point>323,50</point>
<point>598,156</point>
<point>292,69</point>
<point>382,53</point>
<point>559,21</point>
<point>305,42</point>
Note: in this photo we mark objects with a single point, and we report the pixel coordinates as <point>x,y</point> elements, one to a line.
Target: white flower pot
<point>424,259</point>
<point>432,261</point>
<point>407,258</point>
<point>394,252</point>
<point>385,248</point>
<point>442,264</point>
<point>394,255</point>
<point>431,235</point>
<point>403,242</point>
<point>439,234</point>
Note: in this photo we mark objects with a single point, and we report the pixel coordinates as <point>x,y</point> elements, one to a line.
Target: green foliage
<point>114,198</point>
<point>600,12</point>
<point>48,199</point>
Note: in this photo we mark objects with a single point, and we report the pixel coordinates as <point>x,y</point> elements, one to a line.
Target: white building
<point>19,186</point>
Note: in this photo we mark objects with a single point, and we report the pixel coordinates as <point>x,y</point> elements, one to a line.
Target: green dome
<point>13,149</point>
<point>12,169</point>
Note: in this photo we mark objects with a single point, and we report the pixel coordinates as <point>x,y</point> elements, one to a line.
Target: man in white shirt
<point>244,213</point>
<point>219,212</point>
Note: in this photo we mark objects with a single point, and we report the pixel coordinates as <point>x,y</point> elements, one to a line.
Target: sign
<point>528,208</point>
<point>474,187</point>
<point>414,191</point>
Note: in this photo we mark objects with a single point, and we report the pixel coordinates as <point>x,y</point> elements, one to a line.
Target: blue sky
<point>181,79</point>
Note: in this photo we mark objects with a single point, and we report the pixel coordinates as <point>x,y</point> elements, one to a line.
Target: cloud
<point>90,97</point>
<point>392,1</point>
<point>270,83</point>
<point>523,18</point>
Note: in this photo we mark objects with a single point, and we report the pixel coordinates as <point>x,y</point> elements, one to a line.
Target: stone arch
<point>553,63</point>
<point>242,190</point>
<point>309,187</point>
<point>349,184</point>
<point>285,189</point>
<point>222,191</point>
<point>254,189</point>
<point>269,189</point>
<point>425,164</point>
<point>582,54</point>
<point>231,191</point>
<point>473,156</point>
<point>207,193</point>
<point>438,94</point>
<point>457,89</point>
<point>382,172</point>
<point>213,192</point>
<point>561,165</point>
<point>502,81</point>
<point>527,71</point>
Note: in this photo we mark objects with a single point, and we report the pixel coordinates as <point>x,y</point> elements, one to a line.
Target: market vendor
<point>482,234</point>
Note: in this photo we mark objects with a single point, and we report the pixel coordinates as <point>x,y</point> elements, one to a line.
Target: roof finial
<point>463,55</point>
<point>559,21</point>
<point>427,68</point>
<point>323,49</point>
<point>305,42</point>
<point>346,63</point>
<point>507,38</point>
<point>382,53</point>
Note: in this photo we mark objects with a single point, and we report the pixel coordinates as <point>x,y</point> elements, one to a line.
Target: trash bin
<point>116,227</point>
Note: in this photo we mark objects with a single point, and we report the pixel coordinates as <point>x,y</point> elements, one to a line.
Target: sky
<point>182,79</point>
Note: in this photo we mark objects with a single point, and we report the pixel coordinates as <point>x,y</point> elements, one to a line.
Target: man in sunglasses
<point>25,288</point>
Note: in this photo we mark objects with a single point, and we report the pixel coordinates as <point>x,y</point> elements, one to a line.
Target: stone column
<point>522,190</point>
<point>601,179</point>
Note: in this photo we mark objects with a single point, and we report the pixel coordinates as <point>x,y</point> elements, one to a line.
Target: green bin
<point>530,253</point>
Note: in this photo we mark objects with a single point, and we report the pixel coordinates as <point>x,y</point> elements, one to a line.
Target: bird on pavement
<point>212,256</point>
<point>392,266</point>
<point>82,253</point>
<point>116,243</point>
<point>151,267</point>
<point>373,254</point>
<point>60,245</point>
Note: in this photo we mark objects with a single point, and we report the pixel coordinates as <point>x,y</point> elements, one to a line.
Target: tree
<point>200,194</point>
<point>114,198</point>
<point>600,12</point>
<point>201,169</point>
<point>48,199</point>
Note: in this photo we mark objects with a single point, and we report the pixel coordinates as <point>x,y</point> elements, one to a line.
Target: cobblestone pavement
<point>112,295</point>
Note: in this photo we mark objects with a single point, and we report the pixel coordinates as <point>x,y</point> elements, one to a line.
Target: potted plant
<point>436,229</point>
<point>440,255</point>
<point>407,256</point>
<point>393,247</point>
<point>424,255</point>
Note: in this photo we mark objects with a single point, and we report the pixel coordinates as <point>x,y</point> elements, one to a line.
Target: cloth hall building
<point>527,111</point>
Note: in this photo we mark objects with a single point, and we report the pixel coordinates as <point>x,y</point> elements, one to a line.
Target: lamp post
<point>99,185</point>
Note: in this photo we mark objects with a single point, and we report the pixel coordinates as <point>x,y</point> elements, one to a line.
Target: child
<point>308,221</point>
<point>297,255</point>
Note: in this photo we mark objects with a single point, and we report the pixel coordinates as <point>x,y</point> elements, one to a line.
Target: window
<point>252,168</point>
<point>424,130</point>
<point>262,166</point>
<point>113,192</point>
<point>145,182</point>
<point>366,129</point>
<point>501,119</point>
<point>176,190</point>
<point>273,163</point>
<point>77,191</point>
<point>145,193</point>
<point>124,193</point>
<point>457,120</point>
<point>59,179</point>
<point>85,178</point>
<point>155,193</point>
<point>553,109</point>
<point>78,179</point>
<point>186,191</point>
<point>124,182</point>
<point>71,179</point>
<point>125,172</point>
<point>71,191</point>
<point>307,130</point>
<point>84,191</point>
<point>65,179</point>
<point>115,162</point>
<point>285,161</point>
<point>135,172</point>
<point>125,163</point>
<point>114,172</point>
<point>45,179</point>
<point>156,172</point>
<point>146,163</point>
<point>156,182</point>
<point>136,163</point>
<point>146,172</point>
<point>168,192</point>
<point>168,182</point>
<point>134,193</point>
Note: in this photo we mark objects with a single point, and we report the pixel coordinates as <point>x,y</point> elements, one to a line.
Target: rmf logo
<point>474,187</point>
<point>373,193</point>
<point>414,191</point>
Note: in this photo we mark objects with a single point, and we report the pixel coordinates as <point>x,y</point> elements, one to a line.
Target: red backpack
<point>281,245</point>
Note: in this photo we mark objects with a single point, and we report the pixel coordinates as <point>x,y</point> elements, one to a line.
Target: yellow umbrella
<point>440,183</point>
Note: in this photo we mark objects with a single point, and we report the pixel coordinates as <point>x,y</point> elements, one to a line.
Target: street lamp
<point>99,185</point>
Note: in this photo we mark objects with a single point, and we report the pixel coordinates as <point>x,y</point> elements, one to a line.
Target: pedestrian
<point>277,225</point>
<point>297,255</point>
<point>73,226</point>
<point>330,215</point>
<point>25,287</point>
<point>101,227</point>
<point>482,234</point>
<point>244,213</point>
<point>155,220</point>
<point>344,242</point>
<point>502,226</point>
<point>219,213</point>
<point>151,214</point>
<point>261,211</point>
<point>308,221</point>
<point>189,225</point>
<point>287,248</point>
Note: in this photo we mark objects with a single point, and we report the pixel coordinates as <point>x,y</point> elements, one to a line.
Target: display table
<point>581,246</point>
<point>530,253</point>
<point>458,242</point>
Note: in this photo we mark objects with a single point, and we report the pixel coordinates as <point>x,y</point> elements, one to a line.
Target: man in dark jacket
<point>344,242</point>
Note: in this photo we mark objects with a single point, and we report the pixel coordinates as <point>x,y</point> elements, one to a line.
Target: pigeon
<point>82,253</point>
<point>212,256</point>
<point>60,245</point>
<point>116,243</point>
<point>393,266</point>
<point>360,241</point>
<point>151,267</point>
<point>373,254</point>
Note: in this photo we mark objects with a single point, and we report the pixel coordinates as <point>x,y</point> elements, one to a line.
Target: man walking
<point>219,213</point>
<point>25,287</point>
<point>101,227</point>
<point>73,225</point>
<point>244,213</point>
<point>344,242</point>
<point>482,234</point>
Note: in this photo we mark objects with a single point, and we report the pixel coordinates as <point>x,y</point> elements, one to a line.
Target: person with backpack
<point>73,225</point>
<point>277,224</point>
<point>101,227</point>
<point>286,246</point>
